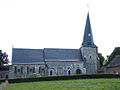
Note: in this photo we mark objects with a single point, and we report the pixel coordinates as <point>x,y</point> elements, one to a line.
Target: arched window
<point>39,69</point>
<point>15,69</point>
<point>21,69</point>
<point>51,72</point>
<point>69,72</point>
<point>27,69</point>
<point>6,76</point>
<point>33,69</point>
<point>78,71</point>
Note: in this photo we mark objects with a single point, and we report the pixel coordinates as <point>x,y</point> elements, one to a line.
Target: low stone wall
<point>3,85</point>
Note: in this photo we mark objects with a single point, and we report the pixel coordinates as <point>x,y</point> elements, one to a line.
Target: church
<point>56,61</point>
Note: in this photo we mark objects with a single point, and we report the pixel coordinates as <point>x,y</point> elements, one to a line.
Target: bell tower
<point>89,50</point>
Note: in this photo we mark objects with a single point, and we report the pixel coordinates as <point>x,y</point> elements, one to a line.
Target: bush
<point>34,75</point>
<point>1,81</point>
<point>51,78</point>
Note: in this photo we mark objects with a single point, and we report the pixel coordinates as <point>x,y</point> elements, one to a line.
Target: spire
<point>88,37</point>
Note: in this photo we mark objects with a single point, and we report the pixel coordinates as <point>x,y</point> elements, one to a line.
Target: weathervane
<point>87,5</point>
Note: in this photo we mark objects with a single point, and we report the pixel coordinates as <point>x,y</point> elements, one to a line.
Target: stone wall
<point>4,74</point>
<point>65,68</point>
<point>91,57</point>
<point>24,70</point>
<point>51,68</point>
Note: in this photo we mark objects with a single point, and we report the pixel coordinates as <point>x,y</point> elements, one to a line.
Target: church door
<point>78,71</point>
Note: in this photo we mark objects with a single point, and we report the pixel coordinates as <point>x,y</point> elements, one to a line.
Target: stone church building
<point>54,61</point>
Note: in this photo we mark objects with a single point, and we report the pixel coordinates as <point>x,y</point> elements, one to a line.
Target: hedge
<point>52,78</point>
<point>2,80</point>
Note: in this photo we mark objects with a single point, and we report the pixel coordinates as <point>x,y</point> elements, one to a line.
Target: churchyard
<point>79,84</point>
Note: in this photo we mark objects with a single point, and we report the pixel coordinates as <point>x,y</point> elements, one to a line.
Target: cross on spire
<point>88,6</point>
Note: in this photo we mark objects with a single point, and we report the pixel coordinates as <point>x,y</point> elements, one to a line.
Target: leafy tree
<point>101,58</point>
<point>3,61</point>
<point>115,52</point>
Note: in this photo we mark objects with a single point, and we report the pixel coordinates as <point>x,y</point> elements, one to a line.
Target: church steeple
<point>88,37</point>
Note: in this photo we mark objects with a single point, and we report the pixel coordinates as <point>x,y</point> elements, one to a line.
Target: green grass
<point>81,84</point>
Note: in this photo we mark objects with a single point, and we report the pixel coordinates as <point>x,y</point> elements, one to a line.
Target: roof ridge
<point>61,48</point>
<point>27,48</point>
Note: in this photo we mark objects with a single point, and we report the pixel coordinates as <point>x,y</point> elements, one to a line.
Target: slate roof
<point>27,55</point>
<point>88,36</point>
<point>35,56</point>
<point>115,62</point>
<point>62,54</point>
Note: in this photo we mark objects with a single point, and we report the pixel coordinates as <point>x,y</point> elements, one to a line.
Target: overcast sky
<point>58,24</point>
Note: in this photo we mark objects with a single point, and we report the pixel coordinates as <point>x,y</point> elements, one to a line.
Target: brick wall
<point>113,70</point>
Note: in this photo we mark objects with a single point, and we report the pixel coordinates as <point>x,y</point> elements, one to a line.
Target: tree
<point>101,58</point>
<point>115,52</point>
<point>4,61</point>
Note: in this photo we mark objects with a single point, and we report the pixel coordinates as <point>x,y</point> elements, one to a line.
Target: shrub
<point>34,75</point>
<point>2,80</point>
<point>51,78</point>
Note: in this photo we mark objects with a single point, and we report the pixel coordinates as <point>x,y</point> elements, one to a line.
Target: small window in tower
<point>90,57</point>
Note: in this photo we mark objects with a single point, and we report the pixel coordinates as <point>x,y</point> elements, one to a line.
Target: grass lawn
<point>81,84</point>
